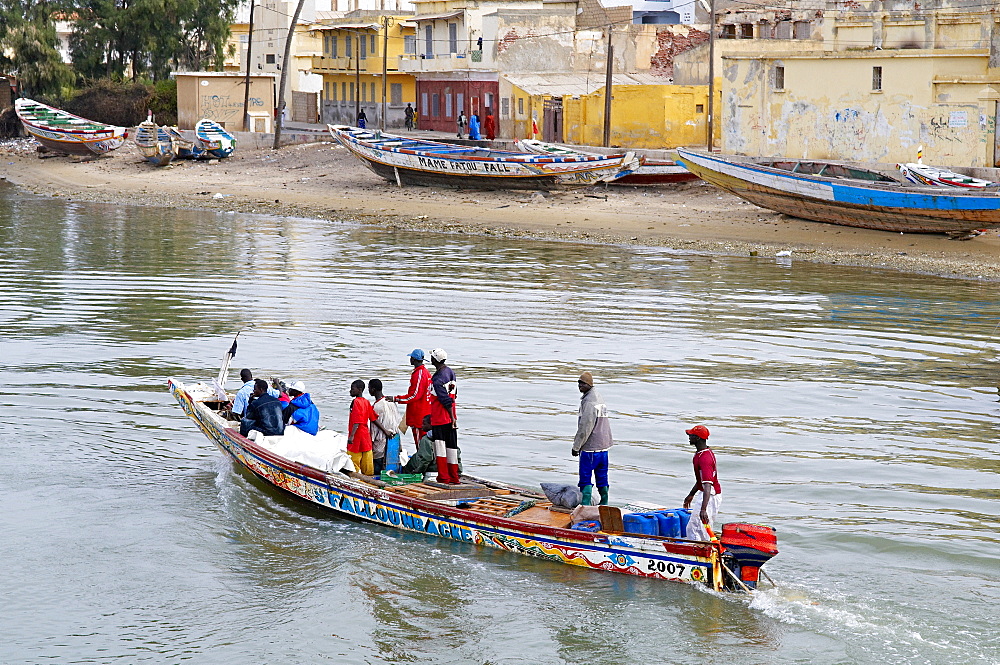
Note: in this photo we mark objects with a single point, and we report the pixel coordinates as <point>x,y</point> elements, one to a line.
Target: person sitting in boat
<point>263,413</point>
<point>359,438</point>
<point>592,441</point>
<point>242,398</point>
<point>282,389</point>
<point>424,460</point>
<point>706,481</point>
<point>444,419</point>
<point>301,412</point>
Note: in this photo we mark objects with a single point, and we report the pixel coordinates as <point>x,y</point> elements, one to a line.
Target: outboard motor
<point>750,546</point>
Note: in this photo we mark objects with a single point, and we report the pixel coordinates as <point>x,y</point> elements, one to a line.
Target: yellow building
<point>868,85</point>
<point>569,108</point>
<point>355,50</point>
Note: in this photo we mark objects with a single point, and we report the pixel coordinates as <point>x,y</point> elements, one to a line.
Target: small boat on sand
<point>922,174</point>
<point>848,195</point>
<point>186,148</point>
<point>650,171</point>
<point>214,139</point>
<point>155,144</point>
<point>417,162</point>
<point>65,133</point>
<point>478,511</point>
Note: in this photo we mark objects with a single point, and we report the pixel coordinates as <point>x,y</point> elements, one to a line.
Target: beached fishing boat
<point>407,161</point>
<point>214,139</point>
<point>155,144</point>
<point>923,174</point>
<point>478,511</point>
<point>848,195</point>
<point>186,148</point>
<point>650,171</point>
<point>66,133</point>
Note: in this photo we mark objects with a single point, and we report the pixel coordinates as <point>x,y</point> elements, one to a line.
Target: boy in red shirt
<point>359,438</point>
<point>706,481</point>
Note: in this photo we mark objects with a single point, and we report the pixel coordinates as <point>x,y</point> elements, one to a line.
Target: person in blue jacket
<point>301,411</point>
<point>474,127</point>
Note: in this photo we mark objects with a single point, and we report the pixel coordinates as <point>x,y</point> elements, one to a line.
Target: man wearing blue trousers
<point>593,439</point>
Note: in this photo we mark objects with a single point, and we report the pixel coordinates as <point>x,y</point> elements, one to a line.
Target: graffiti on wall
<point>222,108</point>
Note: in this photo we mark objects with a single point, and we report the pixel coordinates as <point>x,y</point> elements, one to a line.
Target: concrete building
<point>219,96</point>
<point>354,50</point>
<point>865,83</point>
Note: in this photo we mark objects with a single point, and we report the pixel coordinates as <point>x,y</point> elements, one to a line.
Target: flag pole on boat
<point>220,381</point>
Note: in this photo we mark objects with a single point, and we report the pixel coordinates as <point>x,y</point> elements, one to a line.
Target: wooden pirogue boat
<point>650,171</point>
<point>155,143</point>
<point>66,133</point>
<point>847,195</point>
<point>417,162</point>
<point>491,514</point>
<point>214,139</point>
<point>923,174</point>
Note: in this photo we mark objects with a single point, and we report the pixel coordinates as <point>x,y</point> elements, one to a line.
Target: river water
<point>853,410</point>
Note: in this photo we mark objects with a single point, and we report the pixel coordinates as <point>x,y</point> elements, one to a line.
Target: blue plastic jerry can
<point>392,454</point>
<point>669,522</point>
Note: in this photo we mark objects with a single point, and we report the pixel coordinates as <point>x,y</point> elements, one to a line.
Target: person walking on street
<point>490,125</point>
<point>408,112</point>
<point>362,119</point>
<point>461,122</point>
<point>443,418</point>
<point>418,398</point>
<point>706,481</point>
<point>592,441</point>
<point>474,127</point>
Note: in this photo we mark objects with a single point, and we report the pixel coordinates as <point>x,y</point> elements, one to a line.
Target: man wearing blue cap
<point>418,399</point>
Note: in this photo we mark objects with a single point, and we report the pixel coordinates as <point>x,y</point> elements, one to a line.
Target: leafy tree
<point>35,59</point>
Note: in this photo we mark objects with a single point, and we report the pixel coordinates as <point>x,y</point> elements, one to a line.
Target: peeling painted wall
<point>828,108</point>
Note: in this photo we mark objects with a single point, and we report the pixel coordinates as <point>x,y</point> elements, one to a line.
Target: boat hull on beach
<point>478,511</point>
<point>155,144</point>
<point>850,197</point>
<point>406,161</point>
<point>214,139</point>
<point>65,133</point>
<point>651,172</point>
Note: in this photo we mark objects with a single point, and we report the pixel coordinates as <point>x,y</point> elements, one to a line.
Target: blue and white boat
<point>214,139</point>
<point>848,195</point>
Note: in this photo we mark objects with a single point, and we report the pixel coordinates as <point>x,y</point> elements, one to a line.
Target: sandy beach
<point>322,180</point>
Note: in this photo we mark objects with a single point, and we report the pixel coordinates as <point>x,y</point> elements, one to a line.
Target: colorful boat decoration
<point>650,171</point>
<point>65,133</point>
<point>214,139</point>
<point>186,148</point>
<point>840,193</point>
<point>486,513</point>
<point>156,145</point>
<point>408,161</point>
<point>922,174</point>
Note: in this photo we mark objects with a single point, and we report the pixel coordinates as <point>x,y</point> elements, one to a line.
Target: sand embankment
<point>323,180</point>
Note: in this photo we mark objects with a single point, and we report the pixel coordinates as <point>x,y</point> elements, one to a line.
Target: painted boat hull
<point>186,149</point>
<point>412,162</point>
<point>881,206</point>
<point>66,133</point>
<point>650,171</point>
<point>155,144</point>
<point>214,139</point>
<point>665,559</point>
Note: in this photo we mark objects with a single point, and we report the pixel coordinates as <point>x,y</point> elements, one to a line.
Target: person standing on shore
<point>490,125</point>
<point>418,398</point>
<point>461,121</point>
<point>444,419</point>
<point>592,441</point>
<point>706,481</point>
<point>362,119</point>
<point>359,438</point>
<point>408,113</point>
<point>474,127</point>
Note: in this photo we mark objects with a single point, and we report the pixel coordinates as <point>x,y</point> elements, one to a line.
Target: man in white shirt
<point>385,430</point>
<point>242,399</point>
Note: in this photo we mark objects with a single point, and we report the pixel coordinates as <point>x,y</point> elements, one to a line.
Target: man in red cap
<point>706,481</point>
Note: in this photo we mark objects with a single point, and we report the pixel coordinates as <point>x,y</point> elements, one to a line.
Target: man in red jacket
<point>418,398</point>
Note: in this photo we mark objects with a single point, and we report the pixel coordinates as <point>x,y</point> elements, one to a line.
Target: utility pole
<point>386,22</point>
<point>607,89</point>
<point>246,92</point>
<point>711,75</point>
<point>357,75</point>
<point>284,71</point>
